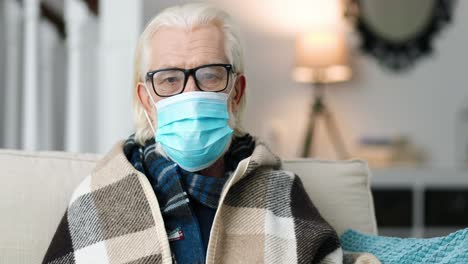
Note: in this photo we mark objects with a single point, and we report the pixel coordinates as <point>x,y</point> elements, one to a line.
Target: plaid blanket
<point>264,216</point>
<point>188,200</point>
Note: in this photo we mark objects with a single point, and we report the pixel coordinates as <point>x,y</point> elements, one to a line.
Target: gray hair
<point>186,16</point>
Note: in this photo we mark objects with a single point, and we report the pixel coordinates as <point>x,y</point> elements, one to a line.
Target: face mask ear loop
<point>146,114</point>
<point>232,116</point>
<point>229,103</point>
<point>149,122</point>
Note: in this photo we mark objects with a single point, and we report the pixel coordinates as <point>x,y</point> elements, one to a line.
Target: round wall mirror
<point>398,32</point>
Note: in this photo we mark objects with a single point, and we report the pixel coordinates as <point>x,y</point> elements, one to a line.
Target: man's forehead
<point>185,48</point>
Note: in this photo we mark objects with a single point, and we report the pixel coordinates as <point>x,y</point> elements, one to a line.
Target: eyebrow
<point>169,66</point>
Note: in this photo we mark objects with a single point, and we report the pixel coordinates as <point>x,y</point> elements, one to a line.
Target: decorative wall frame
<point>393,51</point>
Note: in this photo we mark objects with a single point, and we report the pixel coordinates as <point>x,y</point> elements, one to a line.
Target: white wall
<point>119,29</point>
<point>421,103</point>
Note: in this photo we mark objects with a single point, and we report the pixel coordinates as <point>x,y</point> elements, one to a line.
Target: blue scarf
<point>176,189</point>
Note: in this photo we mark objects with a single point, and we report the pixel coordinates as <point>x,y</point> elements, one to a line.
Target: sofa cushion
<point>34,192</point>
<point>340,190</point>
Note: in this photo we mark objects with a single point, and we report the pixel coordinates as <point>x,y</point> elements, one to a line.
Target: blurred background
<point>380,80</point>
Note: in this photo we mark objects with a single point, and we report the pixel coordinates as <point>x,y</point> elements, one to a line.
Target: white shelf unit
<point>418,180</point>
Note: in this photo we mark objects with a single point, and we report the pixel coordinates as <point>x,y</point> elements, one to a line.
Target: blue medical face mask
<point>193,128</point>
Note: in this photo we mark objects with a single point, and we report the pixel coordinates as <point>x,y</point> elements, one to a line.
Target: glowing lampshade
<point>321,57</point>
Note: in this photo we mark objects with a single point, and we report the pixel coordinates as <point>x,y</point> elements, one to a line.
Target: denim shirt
<point>189,238</point>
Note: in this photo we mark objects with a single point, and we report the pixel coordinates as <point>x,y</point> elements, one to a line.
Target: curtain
<point>71,93</point>
<point>11,81</point>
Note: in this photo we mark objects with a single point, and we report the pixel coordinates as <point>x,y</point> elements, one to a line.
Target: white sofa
<point>36,187</point>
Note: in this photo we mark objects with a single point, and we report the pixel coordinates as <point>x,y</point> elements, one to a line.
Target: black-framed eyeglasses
<point>172,81</point>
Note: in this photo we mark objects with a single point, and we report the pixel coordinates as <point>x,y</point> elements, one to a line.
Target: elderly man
<point>191,186</point>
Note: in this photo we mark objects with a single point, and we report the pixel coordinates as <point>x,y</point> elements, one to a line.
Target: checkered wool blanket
<point>264,216</point>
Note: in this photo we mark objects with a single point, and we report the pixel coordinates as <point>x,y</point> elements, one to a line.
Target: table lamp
<point>322,58</point>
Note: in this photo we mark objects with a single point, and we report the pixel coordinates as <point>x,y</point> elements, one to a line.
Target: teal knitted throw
<point>449,249</point>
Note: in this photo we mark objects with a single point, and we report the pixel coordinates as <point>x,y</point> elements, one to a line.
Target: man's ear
<point>145,99</point>
<point>239,91</point>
